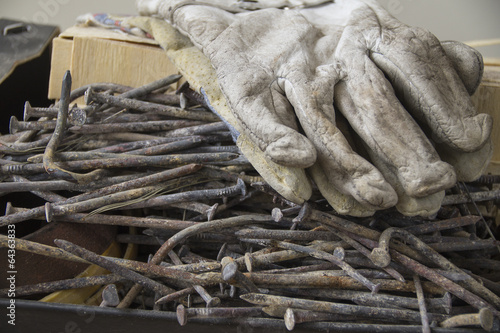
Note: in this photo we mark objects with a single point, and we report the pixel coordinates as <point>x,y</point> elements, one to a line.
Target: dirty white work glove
<point>282,72</point>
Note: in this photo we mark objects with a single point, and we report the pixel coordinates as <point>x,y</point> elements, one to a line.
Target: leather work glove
<point>343,90</point>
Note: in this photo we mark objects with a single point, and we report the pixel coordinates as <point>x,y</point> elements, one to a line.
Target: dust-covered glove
<point>282,72</point>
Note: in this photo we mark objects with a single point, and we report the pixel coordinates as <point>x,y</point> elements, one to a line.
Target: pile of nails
<point>217,245</point>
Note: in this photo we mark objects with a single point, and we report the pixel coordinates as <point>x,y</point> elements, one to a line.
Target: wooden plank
<point>93,59</point>
<point>96,32</point>
<point>487,100</point>
<point>62,49</point>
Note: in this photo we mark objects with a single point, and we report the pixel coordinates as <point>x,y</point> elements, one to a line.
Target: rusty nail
<point>113,267</point>
<point>339,308</point>
<point>483,318</point>
<point>192,95</point>
<point>124,102</point>
<point>110,296</point>
<point>232,275</point>
<point>304,213</point>
<point>381,257</point>
<point>175,295</point>
<point>50,287</point>
<point>15,125</point>
<point>76,116</point>
<point>323,256</point>
<point>421,304</point>
<point>210,301</point>
<point>184,313</point>
<point>297,316</point>
<point>433,276</point>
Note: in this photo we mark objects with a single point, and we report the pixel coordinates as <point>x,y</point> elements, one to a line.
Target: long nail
<point>139,145</point>
<point>464,245</point>
<point>168,147</point>
<point>184,313</point>
<point>49,185</point>
<point>111,266</point>
<point>52,209</point>
<point>210,301</point>
<point>76,116</point>
<point>24,147</point>
<point>456,199</point>
<point>339,308</point>
<point>46,195</point>
<point>126,92</point>
<point>126,162</point>
<point>266,257</point>
<point>53,286</point>
<point>304,214</point>
<point>286,235</point>
<point>442,304</point>
<point>16,126</point>
<point>57,135</point>
<point>152,86</point>
<point>421,304</point>
<point>150,126</point>
<point>233,276</point>
<point>175,295</point>
<point>443,225</point>
<point>162,200</point>
<point>123,102</point>
<point>324,256</point>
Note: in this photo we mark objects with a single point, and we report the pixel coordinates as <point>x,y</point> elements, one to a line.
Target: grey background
<point>462,20</point>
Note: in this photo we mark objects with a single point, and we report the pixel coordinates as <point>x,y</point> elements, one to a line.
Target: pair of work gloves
<point>377,113</point>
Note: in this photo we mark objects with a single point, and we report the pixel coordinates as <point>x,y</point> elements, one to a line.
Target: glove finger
<point>431,89</point>
<point>368,102</point>
<point>467,62</point>
<point>291,183</point>
<point>257,110</point>
<point>468,166</point>
<point>407,205</point>
<point>345,170</point>
<point>343,204</point>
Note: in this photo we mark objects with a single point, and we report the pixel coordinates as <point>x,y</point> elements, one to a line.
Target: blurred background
<point>463,20</point>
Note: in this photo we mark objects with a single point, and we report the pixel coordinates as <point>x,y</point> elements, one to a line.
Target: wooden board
<point>106,57</point>
<point>131,64</point>
<point>61,61</point>
<point>487,100</point>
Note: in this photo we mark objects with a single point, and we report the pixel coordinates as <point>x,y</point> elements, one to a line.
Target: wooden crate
<point>487,100</point>
<point>99,55</point>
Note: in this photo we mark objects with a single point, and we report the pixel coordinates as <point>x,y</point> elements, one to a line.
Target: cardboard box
<point>98,55</point>
<point>487,100</point>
